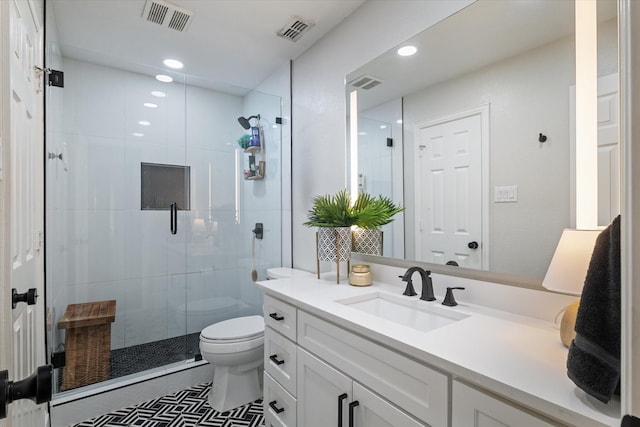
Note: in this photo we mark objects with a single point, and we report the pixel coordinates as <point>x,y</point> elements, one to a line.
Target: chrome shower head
<point>244,122</point>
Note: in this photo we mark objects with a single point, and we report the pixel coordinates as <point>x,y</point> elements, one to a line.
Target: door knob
<point>37,387</point>
<point>473,245</point>
<point>29,297</point>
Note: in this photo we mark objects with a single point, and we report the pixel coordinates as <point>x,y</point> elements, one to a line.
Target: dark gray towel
<point>594,355</point>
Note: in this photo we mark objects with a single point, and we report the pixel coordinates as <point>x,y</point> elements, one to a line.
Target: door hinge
<point>56,78</point>
<point>58,359</point>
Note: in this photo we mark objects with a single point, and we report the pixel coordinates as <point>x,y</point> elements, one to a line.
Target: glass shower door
<point>105,245</point>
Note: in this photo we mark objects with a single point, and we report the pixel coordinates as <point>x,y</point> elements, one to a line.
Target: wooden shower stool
<point>87,342</point>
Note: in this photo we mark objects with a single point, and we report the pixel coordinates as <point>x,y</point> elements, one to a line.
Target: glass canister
<point>360,275</point>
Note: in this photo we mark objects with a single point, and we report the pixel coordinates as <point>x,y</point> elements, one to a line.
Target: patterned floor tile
<point>186,408</point>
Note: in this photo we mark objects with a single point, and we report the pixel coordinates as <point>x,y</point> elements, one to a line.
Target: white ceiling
<point>228,43</point>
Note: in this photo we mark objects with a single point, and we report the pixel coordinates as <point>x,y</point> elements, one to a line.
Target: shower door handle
<point>173,218</point>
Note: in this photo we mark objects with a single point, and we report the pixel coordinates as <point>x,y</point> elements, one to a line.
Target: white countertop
<point>517,357</point>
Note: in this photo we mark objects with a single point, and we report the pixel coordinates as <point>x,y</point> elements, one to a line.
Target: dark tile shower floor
<point>137,358</point>
<point>142,357</point>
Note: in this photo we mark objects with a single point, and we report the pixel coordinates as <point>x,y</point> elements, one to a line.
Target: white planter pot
<point>334,244</point>
<point>366,241</point>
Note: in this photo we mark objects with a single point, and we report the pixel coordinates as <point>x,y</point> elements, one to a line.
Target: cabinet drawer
<point>417,389</point>
<point>280,359</point>
<point>279,406</point>
<point>280,316</point>
<point>473,408</point>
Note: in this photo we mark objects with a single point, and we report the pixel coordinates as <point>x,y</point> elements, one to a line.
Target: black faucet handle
<point>449,298</point>
<point>409,291</point>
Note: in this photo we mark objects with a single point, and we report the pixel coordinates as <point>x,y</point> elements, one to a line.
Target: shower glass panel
<point>170,270</point>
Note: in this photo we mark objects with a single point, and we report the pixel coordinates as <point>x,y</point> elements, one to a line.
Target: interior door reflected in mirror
<point>452,133</point>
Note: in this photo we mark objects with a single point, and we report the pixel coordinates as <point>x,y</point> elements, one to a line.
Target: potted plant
<point>371,214</point>
<point>333,215</point>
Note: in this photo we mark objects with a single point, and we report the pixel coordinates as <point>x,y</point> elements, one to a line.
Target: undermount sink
<point>416,314</point>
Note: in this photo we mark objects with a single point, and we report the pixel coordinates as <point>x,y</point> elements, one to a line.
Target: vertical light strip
<point>586,115</point>
<point>238,180</point>
<point>210,206</point>
<point>353,147</point>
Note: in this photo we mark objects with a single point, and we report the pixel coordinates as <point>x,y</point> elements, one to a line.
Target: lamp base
<point>568,324</point>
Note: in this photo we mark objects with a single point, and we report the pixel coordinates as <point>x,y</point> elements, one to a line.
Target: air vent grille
<point>295,29</point>
<point>365,81</point>
<point>166,14</point>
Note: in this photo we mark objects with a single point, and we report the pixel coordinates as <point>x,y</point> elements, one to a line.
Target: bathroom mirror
<point>496,81</point>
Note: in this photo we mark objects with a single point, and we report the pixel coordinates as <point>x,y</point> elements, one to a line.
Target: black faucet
<point>427,284</point>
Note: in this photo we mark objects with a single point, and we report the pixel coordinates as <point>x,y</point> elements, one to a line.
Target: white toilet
<point>235,347</point>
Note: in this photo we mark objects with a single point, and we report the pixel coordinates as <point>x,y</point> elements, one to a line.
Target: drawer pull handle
<point>342,397</point>
<point>274,359</point>
<point>352,405</point>
<point>273,406</point>
<point>275,317</point>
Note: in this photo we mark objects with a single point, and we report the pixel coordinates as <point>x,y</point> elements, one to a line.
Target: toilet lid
<point>285,273</point>
<point>234,329</point>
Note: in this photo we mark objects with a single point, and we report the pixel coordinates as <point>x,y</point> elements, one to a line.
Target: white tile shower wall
<point>110,249</point>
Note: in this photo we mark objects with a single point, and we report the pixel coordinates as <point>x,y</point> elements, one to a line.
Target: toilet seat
<point>234,330</point>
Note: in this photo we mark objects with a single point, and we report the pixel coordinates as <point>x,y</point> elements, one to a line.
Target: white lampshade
<point>570,261</point>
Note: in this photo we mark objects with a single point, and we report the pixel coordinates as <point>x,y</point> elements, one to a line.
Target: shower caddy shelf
<point>259,166</point>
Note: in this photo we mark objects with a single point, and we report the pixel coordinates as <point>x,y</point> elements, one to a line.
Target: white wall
<point>318,133</point>
<point>102,246</point>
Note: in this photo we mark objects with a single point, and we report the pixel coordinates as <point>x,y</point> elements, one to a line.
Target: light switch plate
<point>506,194</point>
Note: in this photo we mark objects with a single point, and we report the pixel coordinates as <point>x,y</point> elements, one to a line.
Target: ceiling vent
<point>167,14</point>
<point>365,81</point>
<point>295,29</point>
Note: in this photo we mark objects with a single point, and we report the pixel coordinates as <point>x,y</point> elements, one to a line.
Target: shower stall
<point>150,215</point>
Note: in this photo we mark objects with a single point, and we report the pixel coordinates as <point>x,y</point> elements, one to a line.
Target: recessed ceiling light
<point>150,105</point>
<point>144,123</point>
<point>138,134</point>
<point>399,121</point>
<point>407,50</point>
<point>158,93</point>
<point>173,63</point>
<point>164,78</point>
<point>362,133</point>
<point>383,126</point>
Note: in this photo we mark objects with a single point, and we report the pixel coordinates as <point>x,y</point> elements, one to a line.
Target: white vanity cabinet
<point>315,371</point>
<point>280,354</point>
<point>474,408</point>
<point>327,397</point>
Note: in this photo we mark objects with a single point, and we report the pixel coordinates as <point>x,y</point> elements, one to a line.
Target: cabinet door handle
<point>341,398</point>
<point>352,405</point>
<point>274,359</point>
<point>273,406</point>
<point>275,317</point>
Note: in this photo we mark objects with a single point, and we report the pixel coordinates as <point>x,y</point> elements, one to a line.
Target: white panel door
<point>449,192</point>
<point>21,200</point>
<point>322,392</point>
<point>608,150</point>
